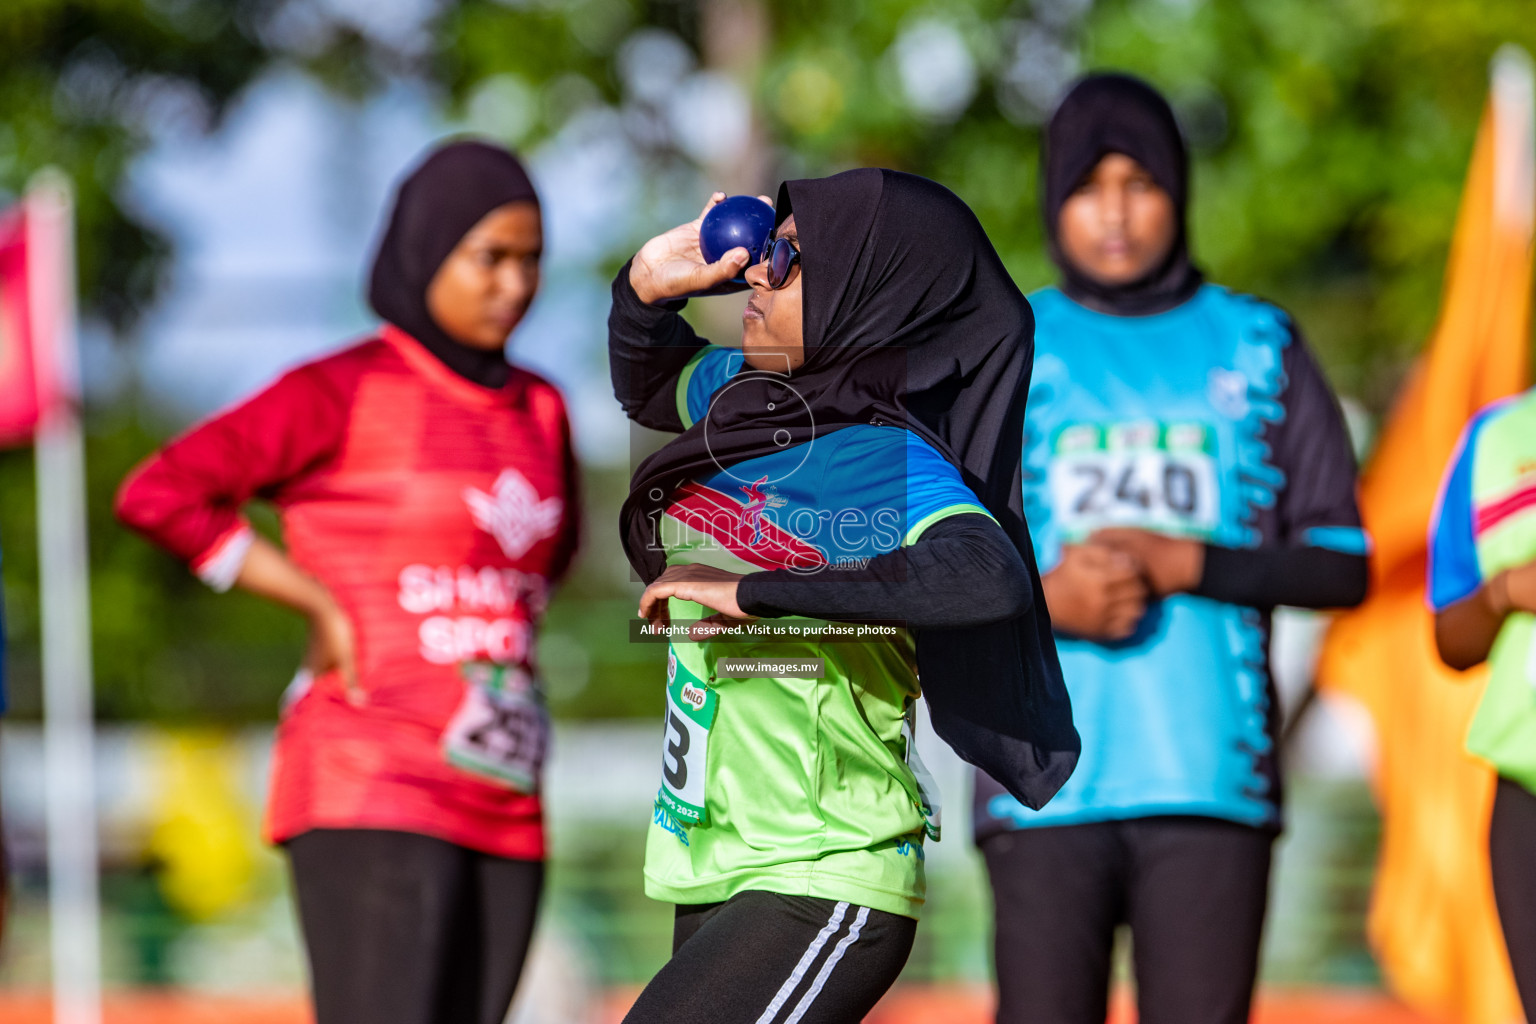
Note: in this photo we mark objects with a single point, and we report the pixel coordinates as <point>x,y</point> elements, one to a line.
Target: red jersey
<point>438,513</point>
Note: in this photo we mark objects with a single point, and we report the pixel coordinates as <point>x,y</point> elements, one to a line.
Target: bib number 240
<point>691,707</point>
<point>1149,475</point>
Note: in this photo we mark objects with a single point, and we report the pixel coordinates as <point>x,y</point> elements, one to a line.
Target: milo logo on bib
<point>691,707</point>
<point>694,697</point>
<point>1145,473</point>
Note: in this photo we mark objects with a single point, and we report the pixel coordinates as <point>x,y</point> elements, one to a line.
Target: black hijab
<point>909,319</point>
<point>1114,113</point>
<point>434,209</point>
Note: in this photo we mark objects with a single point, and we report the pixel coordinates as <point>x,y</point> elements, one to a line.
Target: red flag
<point>30,382</point>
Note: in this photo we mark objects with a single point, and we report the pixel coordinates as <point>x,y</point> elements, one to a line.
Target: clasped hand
<point>1100,589</point>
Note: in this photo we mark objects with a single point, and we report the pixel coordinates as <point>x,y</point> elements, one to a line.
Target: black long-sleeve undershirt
<point>648,346</point>
<point>1310,445</point>
<point>963,571</point>
<point>1302,577</point>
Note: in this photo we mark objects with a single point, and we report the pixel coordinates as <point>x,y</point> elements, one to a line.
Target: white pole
<point>74,907</point>
<point>1514,137</point>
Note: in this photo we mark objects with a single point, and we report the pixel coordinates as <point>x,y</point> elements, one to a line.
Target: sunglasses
<point>781,257</point>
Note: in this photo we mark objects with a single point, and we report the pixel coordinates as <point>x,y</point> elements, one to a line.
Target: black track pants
<point>407,929</point>
<point>1193,891</point>
<point>764,958</point>
<point>1512,849</point>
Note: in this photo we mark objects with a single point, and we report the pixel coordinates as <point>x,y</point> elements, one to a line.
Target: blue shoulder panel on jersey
<point>854,493</point>
<point>897,468</point>
<point>1454,574</point>
<point>705,374</point>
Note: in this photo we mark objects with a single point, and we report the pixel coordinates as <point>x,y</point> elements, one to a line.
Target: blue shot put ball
<point>737,222</point>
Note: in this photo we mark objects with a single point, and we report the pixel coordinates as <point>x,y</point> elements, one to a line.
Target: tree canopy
<point>1330,143</point>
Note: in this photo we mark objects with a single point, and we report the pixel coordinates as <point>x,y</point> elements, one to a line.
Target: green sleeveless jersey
<point>1486,523</point>
<point>790,782</point>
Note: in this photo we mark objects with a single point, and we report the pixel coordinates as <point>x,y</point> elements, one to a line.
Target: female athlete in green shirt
<point>846,467</point>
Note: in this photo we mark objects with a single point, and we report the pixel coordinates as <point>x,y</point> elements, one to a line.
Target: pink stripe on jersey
<point>1492,513</point>
<point>752,538</point>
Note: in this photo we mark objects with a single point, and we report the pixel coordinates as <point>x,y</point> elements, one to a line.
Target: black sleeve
<point>1310,445</point>
<point>648,347</point>
<point>1301,576</point>
<point>963,571</point>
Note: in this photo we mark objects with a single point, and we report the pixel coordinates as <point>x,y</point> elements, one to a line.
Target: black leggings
<point>1193,891</point>
<point>764,958</point>
<point>1512,852</point>
<point>407,929</point>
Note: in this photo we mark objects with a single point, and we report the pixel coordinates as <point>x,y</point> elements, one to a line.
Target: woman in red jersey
<point>428,497</point>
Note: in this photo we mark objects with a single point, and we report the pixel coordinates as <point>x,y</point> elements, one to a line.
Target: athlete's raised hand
<point>1095,593</point>
<point>712,588</point>
<point>670,266</point>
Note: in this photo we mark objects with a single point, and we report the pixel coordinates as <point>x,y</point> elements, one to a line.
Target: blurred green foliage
<point>90,85</point>
<point>165,646</point>
<point>1330,139</point>
<point>83,86</point>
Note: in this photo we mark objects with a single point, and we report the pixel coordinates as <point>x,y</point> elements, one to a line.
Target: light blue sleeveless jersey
<point>1165,422</point>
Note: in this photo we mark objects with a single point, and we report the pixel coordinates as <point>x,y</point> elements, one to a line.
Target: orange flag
<point>1432,921</point>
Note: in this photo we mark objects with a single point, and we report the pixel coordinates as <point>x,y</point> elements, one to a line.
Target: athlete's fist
<point>670,266</point>
<point>1095,592</point>
<point>1171,565</point>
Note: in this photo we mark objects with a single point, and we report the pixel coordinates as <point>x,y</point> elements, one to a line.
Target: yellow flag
<point>1433,924</point>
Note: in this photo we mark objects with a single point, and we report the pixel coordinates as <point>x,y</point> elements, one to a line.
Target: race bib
<point>500,731</point>
<point>691,707</point>
<point>1149,475</point>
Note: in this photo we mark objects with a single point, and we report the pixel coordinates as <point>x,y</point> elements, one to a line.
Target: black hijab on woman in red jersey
<point>1116,113</point>
<point>911,320</point>
<point>435,207</point>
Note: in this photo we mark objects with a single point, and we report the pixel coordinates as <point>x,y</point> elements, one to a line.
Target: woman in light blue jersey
<point>1186,469</point>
